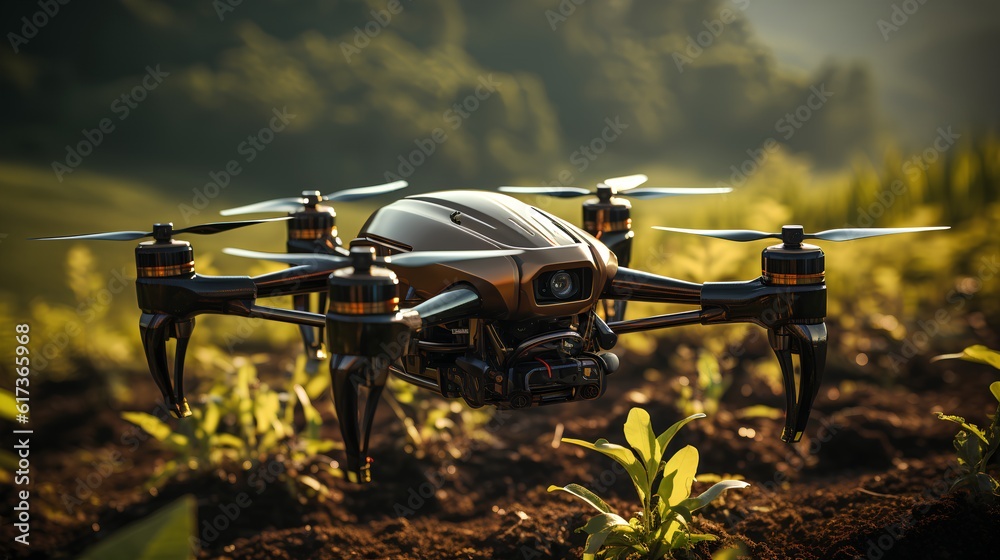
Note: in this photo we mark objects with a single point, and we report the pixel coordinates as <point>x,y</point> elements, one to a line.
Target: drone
<point>477,295</point>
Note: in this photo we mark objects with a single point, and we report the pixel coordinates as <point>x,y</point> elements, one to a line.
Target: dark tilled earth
<point>869,480</point>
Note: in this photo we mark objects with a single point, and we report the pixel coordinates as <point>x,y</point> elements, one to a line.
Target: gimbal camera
<point>477,295</point>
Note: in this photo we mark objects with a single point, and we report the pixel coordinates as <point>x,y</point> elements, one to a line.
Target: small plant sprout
<point>435,424</point>
<point>978,354</point>
<point>663,487</point>
<point>977,446</point>
<point>708,388</point>
<point>241,422</point>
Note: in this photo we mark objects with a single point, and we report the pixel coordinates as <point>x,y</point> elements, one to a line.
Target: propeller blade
<point>860,233</point>
<point>560,192</point>
<point>291,258</point>
<point>730,234</point>
<point>625,183</point>
<point>417,259</point>
<point>290,204</point>
<point>657,192</point>
<point>219,227</point>
<point>107,236</point>
<point>364,192</point>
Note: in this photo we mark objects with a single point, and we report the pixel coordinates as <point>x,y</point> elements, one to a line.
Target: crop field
<point>877,474</point>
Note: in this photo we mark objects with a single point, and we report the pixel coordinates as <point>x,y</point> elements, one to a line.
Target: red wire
<point>547,366</point>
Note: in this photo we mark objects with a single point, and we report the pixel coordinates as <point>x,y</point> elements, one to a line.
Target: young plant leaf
<point>584,494</point>
<point>971,428</point>
<point>759,411</point>
<point>665,535</point>
<point>166,534</point>
<point>678,475</point>
<point>995,389</point>
<point>313,420</point>
<point>986,484</point>
<point>694,504</point>
<point>663,440</point>
<point>639,434</point>
<point>982,355</point>
<point>158,429</point>
<point>210,420</point>
<point>599,527</point>
<point>229,440</point>
<point>970,453</point>
<point>623,456</point>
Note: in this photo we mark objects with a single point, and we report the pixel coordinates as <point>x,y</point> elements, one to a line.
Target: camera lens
<point>562,284</point>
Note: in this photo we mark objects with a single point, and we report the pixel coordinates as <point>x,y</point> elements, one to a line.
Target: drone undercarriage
<point>487,363</point>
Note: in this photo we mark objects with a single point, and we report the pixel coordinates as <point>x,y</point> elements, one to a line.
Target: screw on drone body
<point>792,236</point>
<point>163,233</point>
<point>311,199</point>
<point>362,259</point>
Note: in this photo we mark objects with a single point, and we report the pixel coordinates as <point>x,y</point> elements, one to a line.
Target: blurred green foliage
<point>882,291</point>
<point>975,446</point>
<point>242,423</point>
<point>705,393</point>
<point>166,534</point>
<point>435,425</point>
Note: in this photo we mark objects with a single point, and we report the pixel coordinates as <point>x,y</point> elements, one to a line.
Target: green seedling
<point>707,391</point>
<point>664,490</point>
<point>977,446</point>
<point>434,424</point>
<point>244,422</point>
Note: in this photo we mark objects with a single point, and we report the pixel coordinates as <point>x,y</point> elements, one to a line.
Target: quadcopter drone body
<point>479,296</point>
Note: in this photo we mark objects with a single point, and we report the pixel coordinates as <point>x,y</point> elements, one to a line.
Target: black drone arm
<point>300,283</point>
<point>294,281</point>
<point>792,313</point>
<point>635,285</point>
<point>451,305</point>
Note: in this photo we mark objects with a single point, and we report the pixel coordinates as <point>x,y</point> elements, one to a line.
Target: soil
<point>869,480</point>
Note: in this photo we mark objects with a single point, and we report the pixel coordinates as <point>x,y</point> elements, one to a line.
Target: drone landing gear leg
<point>809,342</point>
<point>155,329</point>
<point>349,374</point>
